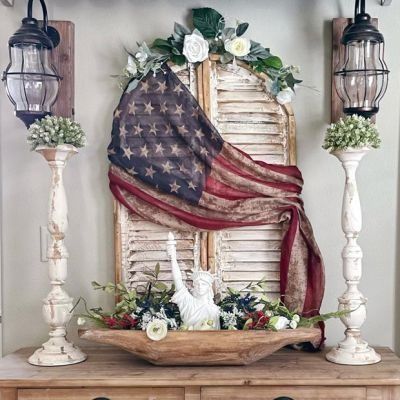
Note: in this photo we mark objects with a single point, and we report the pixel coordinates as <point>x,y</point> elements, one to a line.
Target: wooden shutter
<point>238,104</point>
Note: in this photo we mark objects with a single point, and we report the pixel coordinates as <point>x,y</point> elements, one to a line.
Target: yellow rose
<point>238,46</point>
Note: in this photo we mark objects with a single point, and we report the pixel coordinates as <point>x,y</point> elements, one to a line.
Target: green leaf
<point>162,44</point>
<point>180,32</point>
<point>157,269</point>
<point>273,62</point>
<point>178,60</point>
<point>256,50</point>
<point>291,81</point>
<point>208,21</point>
<point>242,28</point>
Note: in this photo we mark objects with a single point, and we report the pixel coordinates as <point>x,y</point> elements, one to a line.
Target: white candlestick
<point>352,350</point>
<point>57,305</point>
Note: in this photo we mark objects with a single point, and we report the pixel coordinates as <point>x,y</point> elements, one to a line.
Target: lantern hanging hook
<point>51,32</point>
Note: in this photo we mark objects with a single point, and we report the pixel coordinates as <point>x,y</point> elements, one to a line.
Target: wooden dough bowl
<point>202,347</point>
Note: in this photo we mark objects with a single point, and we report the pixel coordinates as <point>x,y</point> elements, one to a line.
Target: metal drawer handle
<point>101,398</point>
<point>284,398</point>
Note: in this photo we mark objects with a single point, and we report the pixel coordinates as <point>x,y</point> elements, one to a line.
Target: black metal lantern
<point>31,81</point>
<point>362,80</point>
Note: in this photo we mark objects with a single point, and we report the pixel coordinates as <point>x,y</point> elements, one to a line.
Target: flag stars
<point>132,171</point>
<point>199,133</point>
<point>123,131</point>
<point>153,129</point>
<point>137,129</point>
<point>144,86</point>
<point>182,130</point>
<point>168,129</point>
<point>195,113</point>
<point>160,149</point>
<point>175,149</point>
<point>179,110</point>
<point>167,167</point>
<point>150,171</point>
<point>178,89</point>
<point>132,108</point>
<point>214,135</point>
<point>128,153</point>
<point>198,167</point>
<point>163,107</point>
<point>148,108</point>
<point>191,185</point>
<point>203,151</point>
<point>162,87</point>
<point>174,187</point>
<point>183,169</point>
<point>117,113</point>
<point>144,151</point>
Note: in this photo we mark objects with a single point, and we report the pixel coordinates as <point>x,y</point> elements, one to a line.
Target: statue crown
<point>203,276</point>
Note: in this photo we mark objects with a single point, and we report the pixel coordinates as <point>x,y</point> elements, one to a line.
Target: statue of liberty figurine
<point>196,308</point>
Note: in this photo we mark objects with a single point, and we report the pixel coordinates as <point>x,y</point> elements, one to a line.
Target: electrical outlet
<point>44,242</point>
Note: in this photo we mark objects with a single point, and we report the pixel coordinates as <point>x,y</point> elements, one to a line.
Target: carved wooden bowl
<point>202,347</point>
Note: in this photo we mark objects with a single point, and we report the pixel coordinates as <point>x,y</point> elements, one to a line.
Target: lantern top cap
<point>362,29</point>
<point>30,33</point>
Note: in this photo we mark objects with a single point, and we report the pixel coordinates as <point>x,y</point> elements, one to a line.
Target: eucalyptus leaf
<point>180,31</point>
<point>208,21</point>
<point>227,34</point>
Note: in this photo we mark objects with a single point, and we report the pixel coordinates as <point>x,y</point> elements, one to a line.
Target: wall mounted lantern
<point>361,81</point>
<point>31,81</point>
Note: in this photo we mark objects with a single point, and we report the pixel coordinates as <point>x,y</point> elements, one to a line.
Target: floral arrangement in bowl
<point>150,309</point>
<point>353,131</point>
<point>53,131</point>
<point>210,35</point>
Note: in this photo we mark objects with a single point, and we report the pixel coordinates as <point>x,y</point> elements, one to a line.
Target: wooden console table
<point>112,374</point>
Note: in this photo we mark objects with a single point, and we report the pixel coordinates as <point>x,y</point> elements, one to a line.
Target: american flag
<point>170,165</point>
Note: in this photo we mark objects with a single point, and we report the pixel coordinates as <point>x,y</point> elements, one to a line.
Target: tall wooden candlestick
<point>57,305</point>
<point>352,350</point>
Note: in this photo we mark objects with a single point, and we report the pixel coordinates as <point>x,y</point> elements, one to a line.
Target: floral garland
<point>210,35</point>
<point>149,308</point>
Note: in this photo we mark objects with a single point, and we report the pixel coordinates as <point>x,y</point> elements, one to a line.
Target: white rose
<point>238,46</point>
<point>157,329</point>
<point>285,96</point>
<point>131,66</point>
<point>195,47</point>
<point>279,322</point>
<point>293,324</point>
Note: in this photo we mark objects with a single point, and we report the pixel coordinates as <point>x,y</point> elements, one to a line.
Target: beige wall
<point>299,31</point>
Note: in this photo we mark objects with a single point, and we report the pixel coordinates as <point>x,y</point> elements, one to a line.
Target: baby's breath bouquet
<point>353,131</point>
<point>53,131</point>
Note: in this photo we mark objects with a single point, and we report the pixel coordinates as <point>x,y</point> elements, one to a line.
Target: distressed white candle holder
<point>352,350</point>
<point>57,305</point>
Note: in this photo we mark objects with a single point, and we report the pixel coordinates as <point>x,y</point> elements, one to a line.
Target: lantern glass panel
<point>32,83</point>
<point>362,80</point>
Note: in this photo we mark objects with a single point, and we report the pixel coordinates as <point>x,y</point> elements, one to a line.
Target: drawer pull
<point>101,398</point>
<point>284,398</point>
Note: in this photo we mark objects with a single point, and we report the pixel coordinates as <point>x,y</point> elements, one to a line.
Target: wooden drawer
<point>292,392</point>
<point>103,393</point>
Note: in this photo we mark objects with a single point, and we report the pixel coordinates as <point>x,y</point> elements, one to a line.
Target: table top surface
<point>110,367</point>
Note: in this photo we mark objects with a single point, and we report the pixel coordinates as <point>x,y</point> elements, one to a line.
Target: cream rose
<point>157,329</point>
<point>279,322</point>
<point>285,96</point>
<point>238,46</point>
<point>195,47</point>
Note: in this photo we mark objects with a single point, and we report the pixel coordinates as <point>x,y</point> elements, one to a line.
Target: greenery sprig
<point>210,35</point>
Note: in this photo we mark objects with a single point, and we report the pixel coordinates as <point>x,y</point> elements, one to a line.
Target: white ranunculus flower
<point>279,322</point>
<point>195,47</point>
<point>293,324</point>
<point>157,329</point>
<point>285,96</point>
<point>296,318</point>
<point>131,66</point>
<point>238,46</point>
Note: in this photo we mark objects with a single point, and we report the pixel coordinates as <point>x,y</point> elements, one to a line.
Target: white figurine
<point>198,307</point>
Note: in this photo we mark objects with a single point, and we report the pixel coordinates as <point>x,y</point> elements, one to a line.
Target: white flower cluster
<point>279,322</point>
<point>148,317</point>
<point>53,131</point>
<point>229,319</point>
<point>352,131</point>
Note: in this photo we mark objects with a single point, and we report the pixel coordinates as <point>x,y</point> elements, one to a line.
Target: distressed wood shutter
<point>238,104</point>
